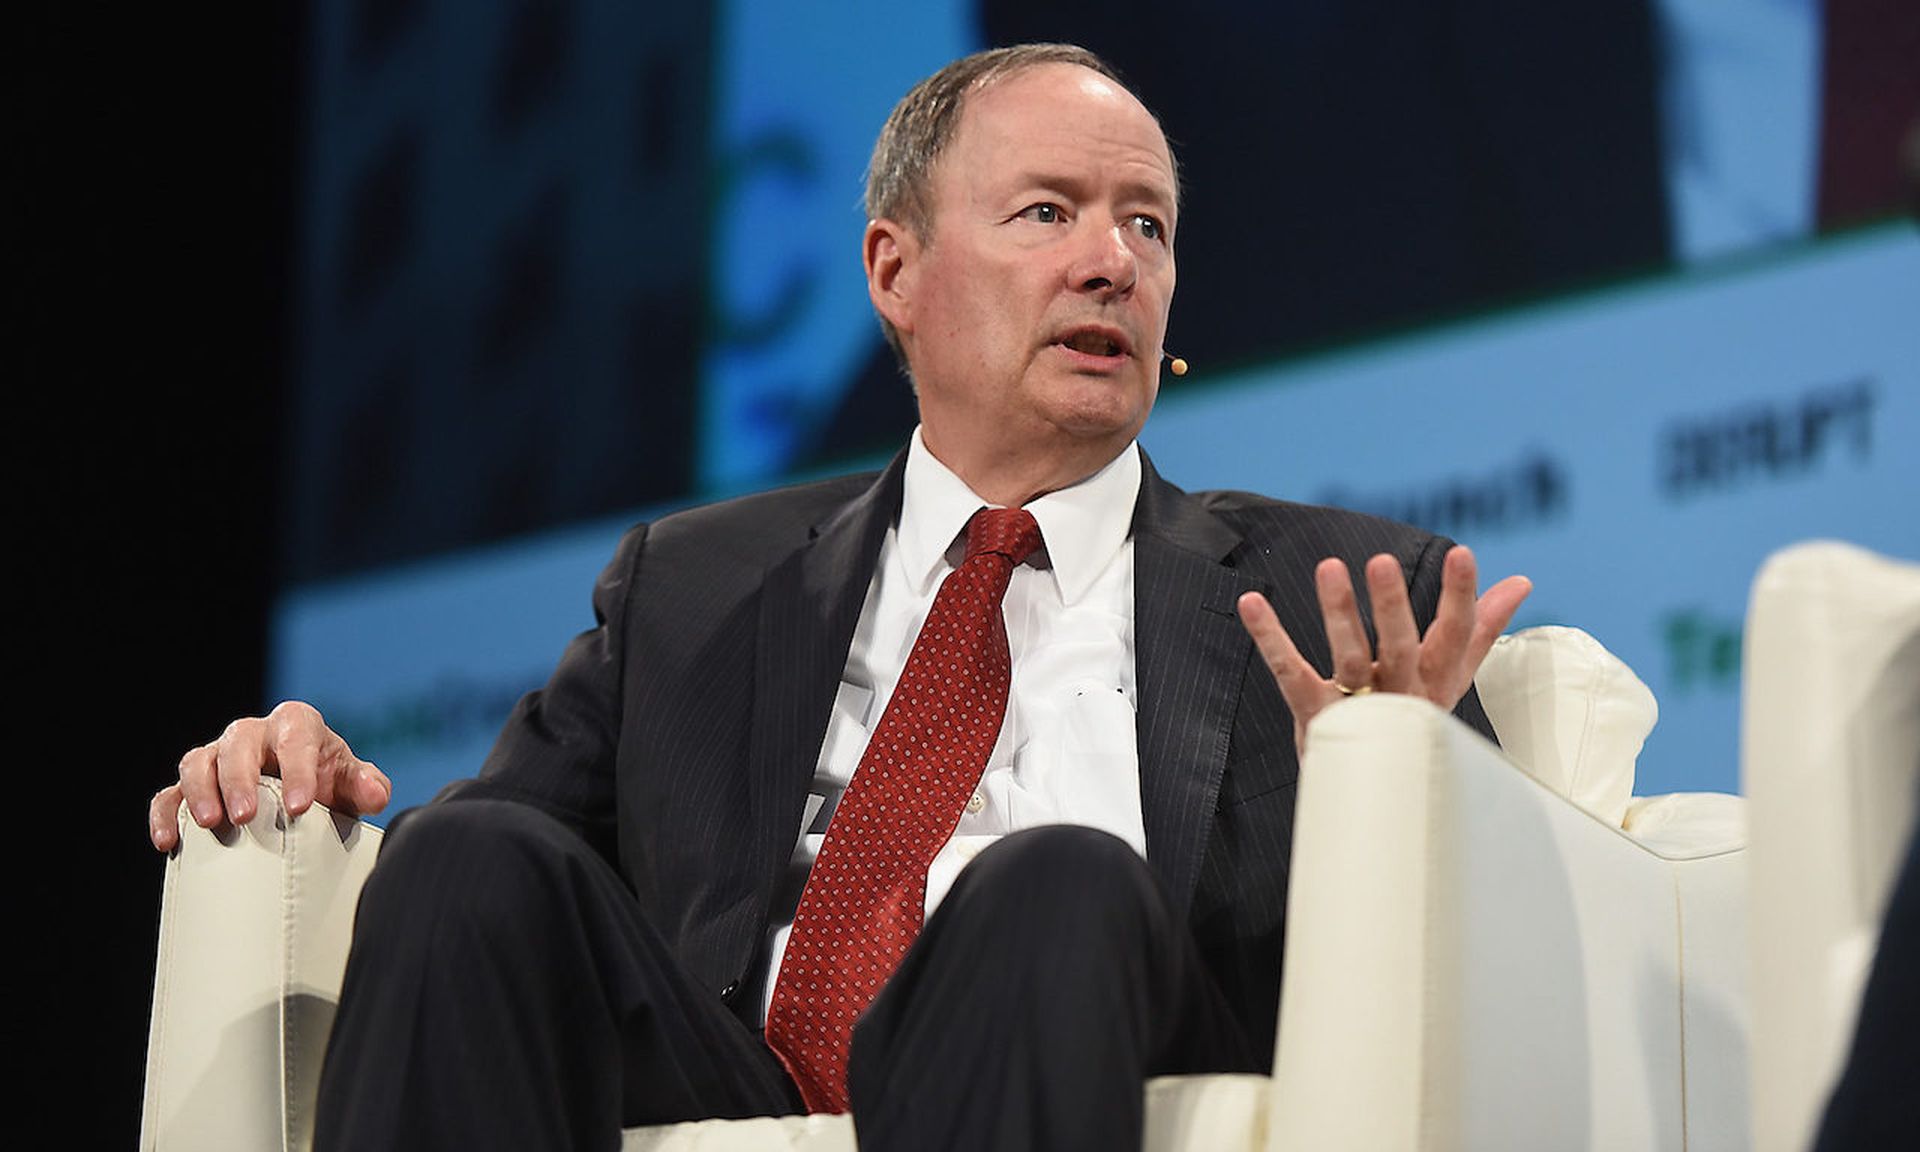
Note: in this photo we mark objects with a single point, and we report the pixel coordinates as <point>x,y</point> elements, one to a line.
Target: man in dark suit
<point>591,933</point>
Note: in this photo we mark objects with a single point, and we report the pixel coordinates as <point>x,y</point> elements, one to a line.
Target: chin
<point>1102,412</point>
<point>1093,426</point>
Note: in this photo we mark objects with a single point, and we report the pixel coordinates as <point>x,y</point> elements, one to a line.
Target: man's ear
<point>891,253</point>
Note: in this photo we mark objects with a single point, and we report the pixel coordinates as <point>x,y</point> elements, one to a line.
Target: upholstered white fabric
<point>1473,962</point>
<point>254,927</point>
<point>1529,995</point>
<point>1681,825</point>
<point>1570,712</point>
<point>1830,761</point>
<point>759,1134</point>
<point>1192,1112</point>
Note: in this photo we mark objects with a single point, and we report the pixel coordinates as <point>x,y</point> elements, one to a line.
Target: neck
<point>1011,478</point>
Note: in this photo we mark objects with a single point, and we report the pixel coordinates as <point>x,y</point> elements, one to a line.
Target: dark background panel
<point>500,276</point>
<point>1364,166</point>
<point>148,275</point>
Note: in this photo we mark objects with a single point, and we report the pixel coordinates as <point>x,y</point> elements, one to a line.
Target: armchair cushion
<point>1183,1112</point>
<point>1569,712</point>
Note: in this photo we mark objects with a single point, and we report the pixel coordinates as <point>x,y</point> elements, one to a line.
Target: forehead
<point>1060,114</point>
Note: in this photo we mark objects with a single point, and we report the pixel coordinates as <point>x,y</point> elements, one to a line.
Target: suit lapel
<point>1190,659</point>
<point>809,606</point>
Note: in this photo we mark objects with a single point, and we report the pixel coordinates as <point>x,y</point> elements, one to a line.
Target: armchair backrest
<point>1830,759</point>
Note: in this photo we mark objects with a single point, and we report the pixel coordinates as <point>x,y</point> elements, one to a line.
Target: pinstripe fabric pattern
<point>680,734</point>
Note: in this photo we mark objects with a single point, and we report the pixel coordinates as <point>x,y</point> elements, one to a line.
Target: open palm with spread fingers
<point>1438,666</point>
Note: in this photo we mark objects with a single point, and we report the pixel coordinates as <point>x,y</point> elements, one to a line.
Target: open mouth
<point>1093,343</point>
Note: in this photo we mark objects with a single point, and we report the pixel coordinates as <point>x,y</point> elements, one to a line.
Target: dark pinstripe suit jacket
<point>680,735</point>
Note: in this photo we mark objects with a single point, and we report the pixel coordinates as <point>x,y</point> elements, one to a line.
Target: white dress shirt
<point>1066,751</point>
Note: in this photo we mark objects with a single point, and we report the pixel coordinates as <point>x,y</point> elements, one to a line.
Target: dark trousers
<point>503,991</point>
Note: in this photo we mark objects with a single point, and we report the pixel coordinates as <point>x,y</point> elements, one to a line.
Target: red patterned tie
<point>866,895</point>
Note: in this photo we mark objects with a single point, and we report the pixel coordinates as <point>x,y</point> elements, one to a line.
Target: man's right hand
<point>218,780</point>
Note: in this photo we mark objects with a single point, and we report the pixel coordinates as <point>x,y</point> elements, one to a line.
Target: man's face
<point>1033,314</point>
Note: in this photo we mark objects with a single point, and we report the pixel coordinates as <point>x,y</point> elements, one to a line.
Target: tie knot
<point>1009,532</point>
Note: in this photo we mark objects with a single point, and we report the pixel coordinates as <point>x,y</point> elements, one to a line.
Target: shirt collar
<point>1083,525</point>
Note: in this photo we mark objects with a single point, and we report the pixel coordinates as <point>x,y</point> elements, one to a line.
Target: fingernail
<point>296,798</point>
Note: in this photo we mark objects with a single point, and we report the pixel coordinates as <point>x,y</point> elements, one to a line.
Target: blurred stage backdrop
<point>1624,293</point>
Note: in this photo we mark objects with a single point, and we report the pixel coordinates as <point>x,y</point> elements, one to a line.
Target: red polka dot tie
<point>866,895</point>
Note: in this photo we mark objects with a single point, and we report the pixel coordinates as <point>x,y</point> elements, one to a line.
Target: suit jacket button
<point>730,990</point>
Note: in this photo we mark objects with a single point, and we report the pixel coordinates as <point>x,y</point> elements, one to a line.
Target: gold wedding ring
<point>1346,691</point>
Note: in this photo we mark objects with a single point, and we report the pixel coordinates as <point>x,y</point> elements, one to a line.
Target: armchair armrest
<point>254,927</point>
<point>1475,962</point>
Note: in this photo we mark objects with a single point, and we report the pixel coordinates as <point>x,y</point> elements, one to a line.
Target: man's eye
<point>1150,228</point>
<point>1042,213</point>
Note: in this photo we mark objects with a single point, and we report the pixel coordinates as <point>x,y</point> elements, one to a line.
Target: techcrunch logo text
<point>1527,493</point>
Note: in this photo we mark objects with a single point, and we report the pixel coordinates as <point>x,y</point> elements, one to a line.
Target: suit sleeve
<point>557,749</point>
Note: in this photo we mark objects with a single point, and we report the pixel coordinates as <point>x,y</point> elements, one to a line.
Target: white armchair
<point>1479,956</point>
<point>1474,963</point>
<point>1831,764</point>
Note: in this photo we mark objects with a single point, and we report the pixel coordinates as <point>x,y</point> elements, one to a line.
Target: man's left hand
<point>1437,667</point>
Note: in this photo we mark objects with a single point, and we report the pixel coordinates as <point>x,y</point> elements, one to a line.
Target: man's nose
<point>1107,264</point>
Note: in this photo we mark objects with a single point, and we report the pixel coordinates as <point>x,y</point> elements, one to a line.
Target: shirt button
<point>975,802</point>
